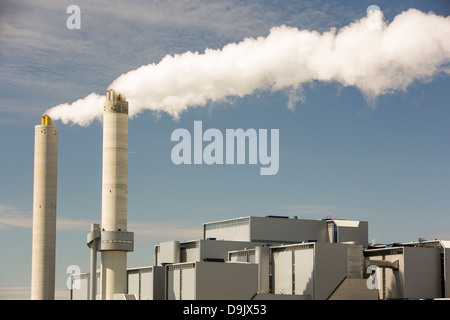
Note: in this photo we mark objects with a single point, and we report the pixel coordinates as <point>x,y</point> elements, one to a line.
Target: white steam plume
<point>376,57</point>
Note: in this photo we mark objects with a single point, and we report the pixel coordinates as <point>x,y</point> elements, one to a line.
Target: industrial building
<point>420,269</point>
<point>254,258</point>
<point>278,229</point>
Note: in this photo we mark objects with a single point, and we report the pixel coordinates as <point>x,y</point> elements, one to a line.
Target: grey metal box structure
<point>211,281</point>
<point>273,230</point>
<point>146,283</point>
<point>421,272</point>
<point>196,250</point>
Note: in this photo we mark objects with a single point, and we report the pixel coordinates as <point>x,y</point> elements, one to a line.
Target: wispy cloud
<point>14,217</point>
<point>11,217</point>
<point>46,63</point>
<point>24,293</point>
<point>165,231</point>
<point>15,293</point>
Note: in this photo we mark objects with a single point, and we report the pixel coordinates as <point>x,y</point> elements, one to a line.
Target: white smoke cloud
<point>82,112</point>
<point>376,57</point>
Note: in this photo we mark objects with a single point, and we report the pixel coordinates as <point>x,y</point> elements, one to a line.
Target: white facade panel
<point>133,284</point>
<point>147,285</point>
<point>169,252</point>
<point>187,284</point>
<point>80,291</point>
<point>239,258</point>
<point>173,285</point>
<point>234,229</point>
<point>282,266</point>
<point>304,272</point>
<point>181,281</point>
<point>191,254</point>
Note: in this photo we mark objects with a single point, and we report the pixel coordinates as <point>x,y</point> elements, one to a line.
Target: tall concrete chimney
<point>114,240</point>
<point>44,210</point>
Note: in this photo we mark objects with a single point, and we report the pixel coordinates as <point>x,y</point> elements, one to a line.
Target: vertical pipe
<point>262,259</point>
<point>93,266</point>
<point>44,211</point>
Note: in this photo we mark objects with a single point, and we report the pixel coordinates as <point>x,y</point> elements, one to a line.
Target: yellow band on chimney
<point>46,120</point>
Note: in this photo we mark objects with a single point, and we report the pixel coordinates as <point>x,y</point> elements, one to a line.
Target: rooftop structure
<point>281,229</point>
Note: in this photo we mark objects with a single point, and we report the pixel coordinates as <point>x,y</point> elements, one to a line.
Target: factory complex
<point>285,258</point>
<point>245,258</point>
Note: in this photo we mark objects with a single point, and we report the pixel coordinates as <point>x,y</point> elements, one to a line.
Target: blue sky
<point>385,163</point>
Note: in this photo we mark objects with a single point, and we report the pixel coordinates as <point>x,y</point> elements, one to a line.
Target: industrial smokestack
<point>44,211</point>
<point>115,239</point>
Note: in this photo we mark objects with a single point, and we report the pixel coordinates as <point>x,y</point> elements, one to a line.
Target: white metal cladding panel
<point>187,285</point>
<point>83,292</point>
<point>304,272</point>
<point>239,258</point>
<point>282,265</point>
<point>189,251</point>
<point>147,285</point>
<point>332,231</point>
<point>242,256</point>
<point>235,230</point>
<point>176,283</point>
<point>236,233</point>
<point>192,254</point>
<point>133,283</point>
<point>169,252</point>
<point>173,285</point>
